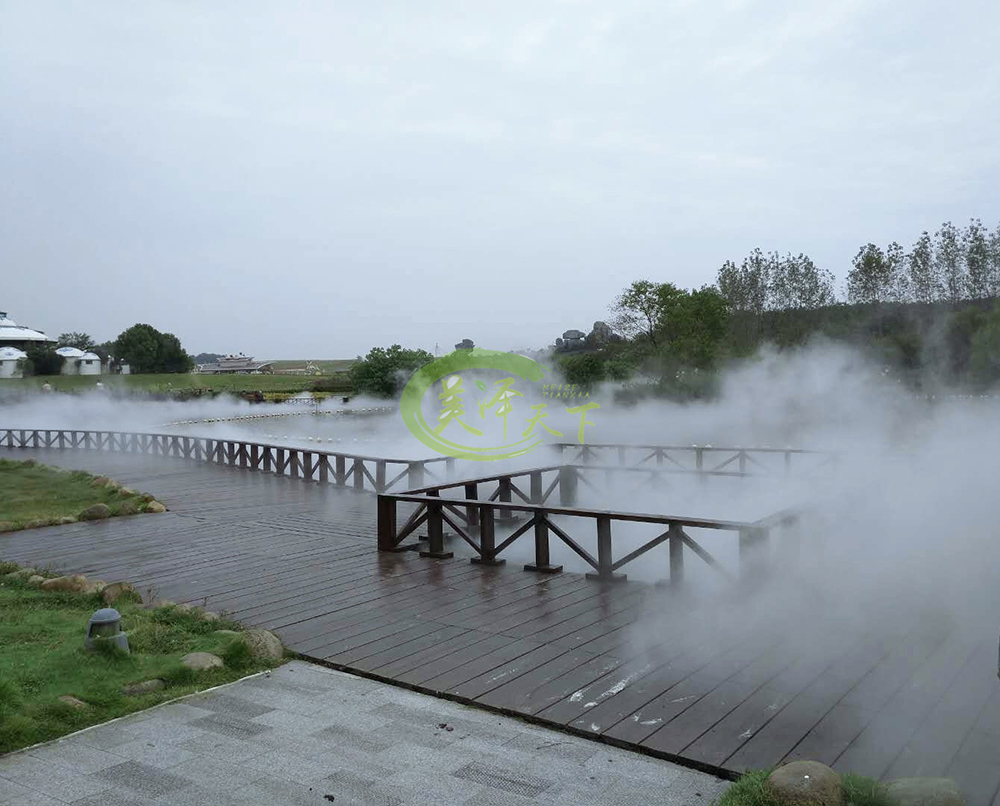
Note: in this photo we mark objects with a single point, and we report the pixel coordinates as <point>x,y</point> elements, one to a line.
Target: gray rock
<point>119,590</point>
<point>73,702</point>
<point>155,507</point>
<point>208,615</point>
<point>74,584</point>
<point>225,632</point>
<point>925,792</point>
<point>95,513</point>
<point>263,644</point>
<point>35,580</point>
<point>145,687</point>
<point>805,783</point>
<point>573,334</point>
<point>199,661</point>
<point>128,508</point>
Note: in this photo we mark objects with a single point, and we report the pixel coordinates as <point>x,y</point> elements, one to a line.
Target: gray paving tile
<point>506,779</point>
<point>273,791</point>
<point>233,726</point>
<point>10,792</point>
<point>230,705</point>
<point>224,747</point>
<point>112,797</point>
<point>353,788</point>
<point>75,755</point>
<point>359,740</point>
<point>48,778</point>
<point>215,774</point>
<point>142,779</point>
<point>157,754</point>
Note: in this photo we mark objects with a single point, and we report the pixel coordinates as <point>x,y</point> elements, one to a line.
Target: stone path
<point>308,735</point>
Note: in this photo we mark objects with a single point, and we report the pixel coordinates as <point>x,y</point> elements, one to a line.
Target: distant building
<point>78,362</point>
<point>236,365</point>
<point>13,335</point>
<point>9,358</point>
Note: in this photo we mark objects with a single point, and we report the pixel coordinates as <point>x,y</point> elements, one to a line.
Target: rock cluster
<point>809,783</point>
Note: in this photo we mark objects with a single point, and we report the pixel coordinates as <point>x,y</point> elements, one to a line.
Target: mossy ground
<point>44,658</point>
<point>35,495</point>
<point>750,790</point>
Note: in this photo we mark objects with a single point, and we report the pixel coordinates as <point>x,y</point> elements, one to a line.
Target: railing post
<point>567,485</point>
<point>506,515</point>
<point>415,475</point>
<point>380,475</point>
<point>699,458</point>
<point>435,533</point>
<point>472,511</point>
<point>359,473</point>
<point>535,492</point>
<point>386,523</point>
<point>487,537</point>
<point>605,572</point>
<point>743,460</point>
<point>268,459</point>
<point>340,471</point>
<point>676,541</point>
<point>788,462</point>
<point>542,562</point>
<point>753,551</point>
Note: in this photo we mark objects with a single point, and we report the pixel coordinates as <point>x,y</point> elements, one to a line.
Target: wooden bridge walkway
<point>628,663</point>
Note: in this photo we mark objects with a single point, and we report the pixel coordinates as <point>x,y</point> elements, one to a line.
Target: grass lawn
<point>180,382</point>
<point>750,790</point>
<point>44,658</point>
<point>38,495</point>
<point>328,367</point>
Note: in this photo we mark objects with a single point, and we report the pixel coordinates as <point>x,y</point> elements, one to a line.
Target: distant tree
<point>384,372</point>
<point>105,350</point>
<point>207,358</point>
<point>870,281</point>
<point>695,327</point>
<point>796,282</point>
<point>994,274</point>
<point>978,268</point>
<point>145,349</point>
<point>465,344</point>
<point>746,291</point>
<point>924,281</point>
<point>984,360</point>
<point>949,262</point>
<point>585,370</point>
<point>638,312</point>
<point>79,340</point>
<point>42,360</point>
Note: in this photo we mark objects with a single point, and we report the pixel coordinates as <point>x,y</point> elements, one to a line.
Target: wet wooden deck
<point>628,663</point>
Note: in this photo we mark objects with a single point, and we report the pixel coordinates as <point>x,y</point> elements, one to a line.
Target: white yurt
<point>78,362</point>
<point>9,356</point>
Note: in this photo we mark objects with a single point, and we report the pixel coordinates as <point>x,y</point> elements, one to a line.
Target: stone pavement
<point>305,734</point>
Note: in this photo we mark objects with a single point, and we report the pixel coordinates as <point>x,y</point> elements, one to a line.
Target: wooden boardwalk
<point>630,664</point>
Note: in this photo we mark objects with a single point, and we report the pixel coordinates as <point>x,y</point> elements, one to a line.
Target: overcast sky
<point>309,180</point>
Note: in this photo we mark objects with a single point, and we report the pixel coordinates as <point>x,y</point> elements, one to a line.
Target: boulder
<point>225,632</point>
<point>155,507</point>
<point>805,783</point>
<point>35,580</point>
<point>96,586</point>
<point>925,792</point>
<point>183,608</point>
<point>38,523</point>
<point>99,481</point>
<point>146,498</point>
<point>199,661</point>
<point>25,573</point>
<point>119,590</point>
<point>125,492</point>
<point>67,519</point>
<point>112,485</point>
<point>263,644</point>
<point>8,526</point>
<point>74,584</point>
<point>95,513</point>
<point>208,615</point>
<point>128,508</point>
<point>73,702</point>
<point>145,687</point>
<point>600,335</point>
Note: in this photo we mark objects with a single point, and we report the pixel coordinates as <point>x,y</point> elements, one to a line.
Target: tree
<point>42,360</point>
<point>924,281</point>
<point>638,311</point>
<point>384,372</point>
<point>984,360</point>
<point>79,340</point>
<point>870,280</point>
<point>895,267</point>
<point>796,282</point>
<point>695,327</point>
<point>949,262</point>
<point>146,349</point>
<point>978,268</point>
<point>745,290</point>
<point>994,274</point>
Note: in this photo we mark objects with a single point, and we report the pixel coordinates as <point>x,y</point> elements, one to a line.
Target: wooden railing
<point>708,459</point>
<point>475,519</point>
<point>371,473</point>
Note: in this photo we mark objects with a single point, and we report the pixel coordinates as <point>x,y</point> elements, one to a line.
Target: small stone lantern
<point>106,625</point>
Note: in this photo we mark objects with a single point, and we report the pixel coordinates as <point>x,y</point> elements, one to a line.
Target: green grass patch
<point>39,495</point>
<point>44,658</point>
<point>751,790</point>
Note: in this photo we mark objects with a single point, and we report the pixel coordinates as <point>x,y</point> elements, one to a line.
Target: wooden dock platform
<point>626,663</point>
